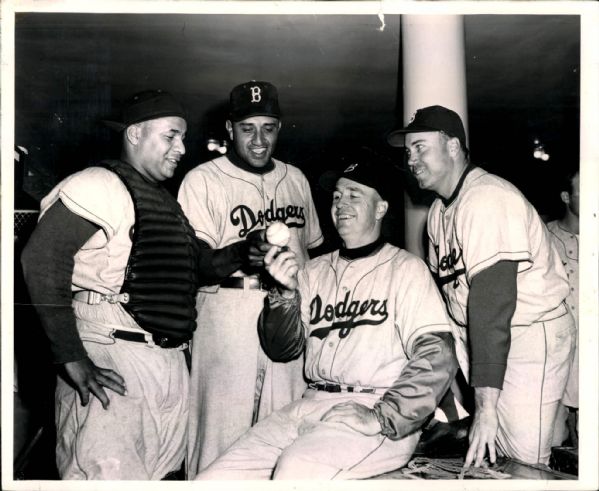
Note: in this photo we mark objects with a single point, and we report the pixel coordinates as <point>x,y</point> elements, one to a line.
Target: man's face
<point>574,204</point>
<point>355,210</point>
<point>429,160</point>
<point>255,138</point>
<point>160,147</point>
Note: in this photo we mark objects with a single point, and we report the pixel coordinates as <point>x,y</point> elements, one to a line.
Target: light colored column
<point>434,72</point>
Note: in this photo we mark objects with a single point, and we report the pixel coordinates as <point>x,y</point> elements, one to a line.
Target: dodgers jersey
<point>224,203</point>
<point>490,221</point>
<point>362,316</point>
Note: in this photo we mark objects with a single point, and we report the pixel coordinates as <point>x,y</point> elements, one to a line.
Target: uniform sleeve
<point>97,195</point>
<point>48,262</point>
<point>280,327</point>
<point>422,383</point>
<point>313,231</point>
<point>427,342</point>
<point>491,305</point>
<point>492,225</point>
<point>198,206</point>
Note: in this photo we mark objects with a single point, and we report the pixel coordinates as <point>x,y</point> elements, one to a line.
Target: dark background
<point>339,80</point>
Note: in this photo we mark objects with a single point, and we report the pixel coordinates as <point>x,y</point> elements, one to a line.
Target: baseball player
<point>502,280</point>
<point>113,267</point>
<point>564,233</point>
<point>378,349</point>
<point>233,382</point>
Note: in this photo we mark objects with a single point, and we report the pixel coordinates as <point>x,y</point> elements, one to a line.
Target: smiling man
<point>113,268</point>
<point>233,383</point>
<point>504,285</point>
<point>377,346</point>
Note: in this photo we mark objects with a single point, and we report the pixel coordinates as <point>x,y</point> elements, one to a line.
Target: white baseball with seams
<point>278,234</point>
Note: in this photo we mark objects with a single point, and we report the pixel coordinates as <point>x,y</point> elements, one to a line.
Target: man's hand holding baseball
<point>87,378</point>
<point>257,247</point>
<point>282,265</point>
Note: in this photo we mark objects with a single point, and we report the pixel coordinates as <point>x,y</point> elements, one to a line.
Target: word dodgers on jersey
<point>250,219</point>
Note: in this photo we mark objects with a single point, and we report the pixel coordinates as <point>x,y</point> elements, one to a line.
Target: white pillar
<point>434,72</point>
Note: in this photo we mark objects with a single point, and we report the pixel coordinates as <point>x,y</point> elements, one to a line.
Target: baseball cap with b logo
<point>431,118</point>
<point>254,99</point>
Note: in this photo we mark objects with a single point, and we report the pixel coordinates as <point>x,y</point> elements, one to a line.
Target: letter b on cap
<point>256,94</point>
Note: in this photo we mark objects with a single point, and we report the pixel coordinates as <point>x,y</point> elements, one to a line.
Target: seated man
<point>378,350</point>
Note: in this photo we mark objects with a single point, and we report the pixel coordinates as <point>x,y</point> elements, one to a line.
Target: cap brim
<point>236,119</point>
<point>397,138</point>
<point>328,180</point>
<point>114,125</point>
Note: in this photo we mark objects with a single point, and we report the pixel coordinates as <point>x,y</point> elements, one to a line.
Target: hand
<point>87,378</point>
<point>257,247</point>
<point>356,416</point>
<point>282,265</point>
<point>484,427</point>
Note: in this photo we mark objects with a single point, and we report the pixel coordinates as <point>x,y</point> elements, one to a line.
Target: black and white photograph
<point>299,241</point>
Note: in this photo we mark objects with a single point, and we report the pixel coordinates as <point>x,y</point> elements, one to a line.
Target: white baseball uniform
<point>140,436</point>
<point>224,203</point>
<point>488,220</point>
<point>361,320</point>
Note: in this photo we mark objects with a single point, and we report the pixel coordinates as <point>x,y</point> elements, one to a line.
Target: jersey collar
<point>362,251</point>
<point>457,189</point>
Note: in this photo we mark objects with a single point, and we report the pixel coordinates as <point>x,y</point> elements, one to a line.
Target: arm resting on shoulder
<point>48,263</point>
<point>422,383</point>
<point>280,327</point>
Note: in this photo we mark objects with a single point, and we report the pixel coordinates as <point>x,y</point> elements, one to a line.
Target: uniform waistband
<point>328,387</point>
<point>244,282</point>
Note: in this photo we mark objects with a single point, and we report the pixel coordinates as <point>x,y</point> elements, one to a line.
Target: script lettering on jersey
<point>248,219</point>
<point>448,263</point>
<point>344,314</point>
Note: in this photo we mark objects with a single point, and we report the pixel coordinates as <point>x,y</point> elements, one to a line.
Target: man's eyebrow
<point>351,188</point>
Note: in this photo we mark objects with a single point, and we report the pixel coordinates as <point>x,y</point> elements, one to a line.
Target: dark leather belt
<point>341,388</point>
<point>242,282</point>
<point>140,337</point>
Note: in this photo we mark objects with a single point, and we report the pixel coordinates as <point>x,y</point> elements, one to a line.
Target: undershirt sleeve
<point>48,263</point>
<point>491,305</point>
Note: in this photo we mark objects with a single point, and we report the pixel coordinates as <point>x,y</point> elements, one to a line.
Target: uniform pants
<point>292,443</point>
<point>226,361</point>
<point>537,370</point>
<point>141,435</point>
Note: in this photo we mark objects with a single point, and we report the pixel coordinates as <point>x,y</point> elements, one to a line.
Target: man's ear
<point>453,145</point>
<point>229,127</point>
<point>381,209</point>
<point>565,196</point>
<point>133,132</point>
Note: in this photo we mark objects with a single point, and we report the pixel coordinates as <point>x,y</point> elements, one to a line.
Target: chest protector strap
<point>161,278</point>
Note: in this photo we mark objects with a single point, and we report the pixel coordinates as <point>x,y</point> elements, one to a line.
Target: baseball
<point>278,234</point>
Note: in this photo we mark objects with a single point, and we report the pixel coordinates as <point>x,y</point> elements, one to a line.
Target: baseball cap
<point>146,105</point>
<point>431,118</point>
<point>254,99</point>
<point>365,167</point>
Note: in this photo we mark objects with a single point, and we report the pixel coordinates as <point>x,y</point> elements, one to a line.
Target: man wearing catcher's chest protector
<point>113,268</point>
